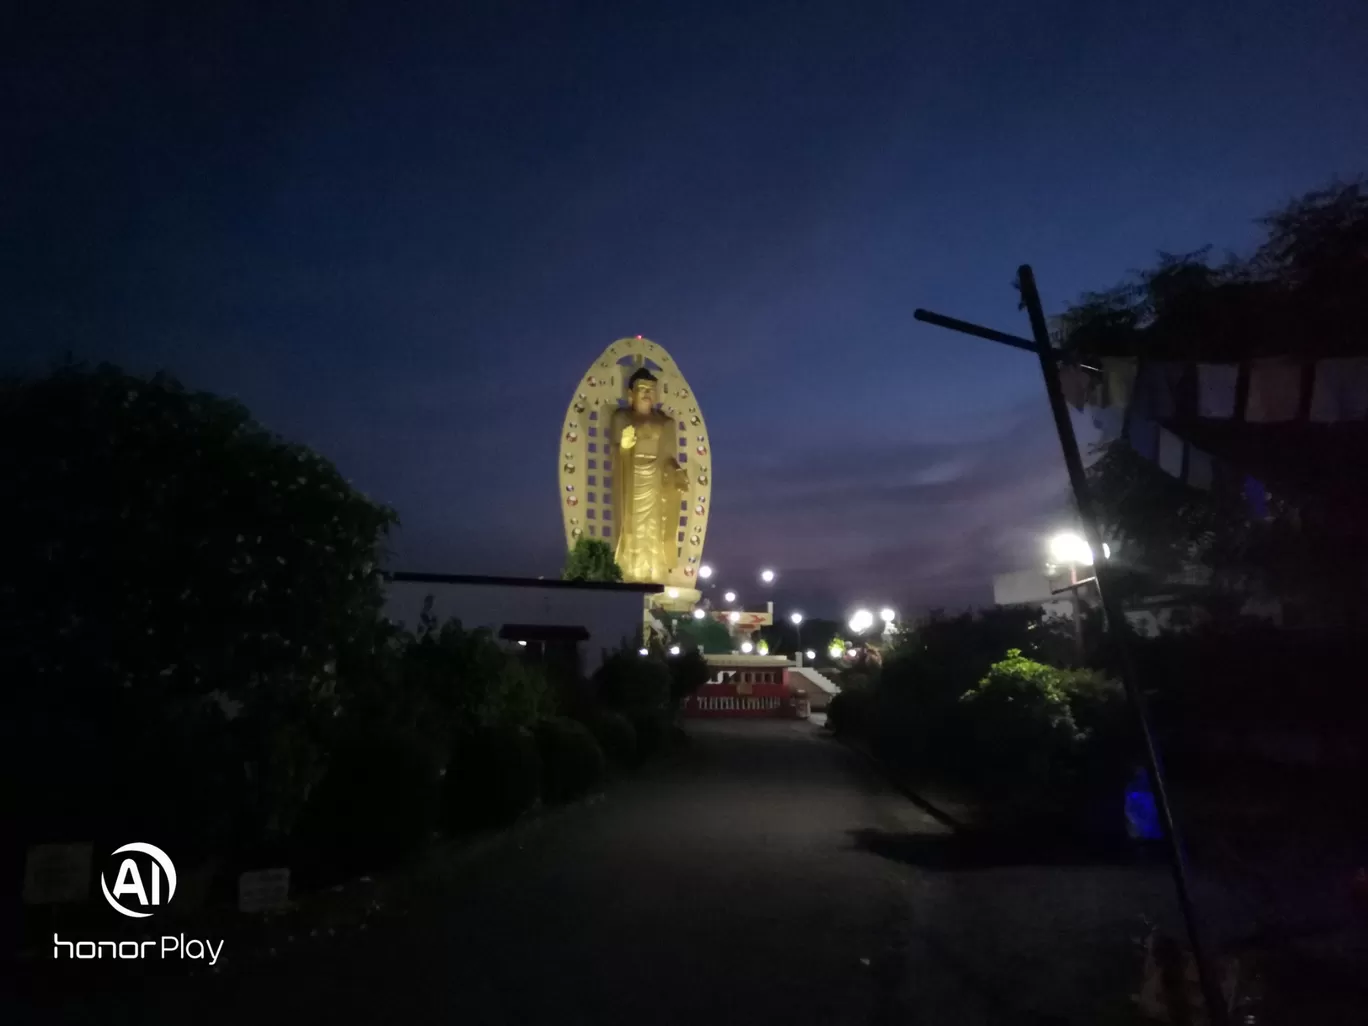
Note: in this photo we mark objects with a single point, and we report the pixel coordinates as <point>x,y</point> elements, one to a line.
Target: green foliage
<point>572,761</point>
<point>591,559</point>
<point>654,730</point>
<point>186,587</point>
<point>705,635</point>
<point>377,802</point>
<point>688,672</point>
<point>493,777</point>
<point>1303,293</point>
<point>634,684</point>
<point>848,711</point>
<point>615,735</point>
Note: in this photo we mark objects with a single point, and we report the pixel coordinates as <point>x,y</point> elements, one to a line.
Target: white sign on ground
<point>56,873</point>
<point>265,890</point>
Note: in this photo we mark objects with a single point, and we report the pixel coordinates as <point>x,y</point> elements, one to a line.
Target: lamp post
<point>797,620</point>
<point>767,576</point>
<point>1071,550</point>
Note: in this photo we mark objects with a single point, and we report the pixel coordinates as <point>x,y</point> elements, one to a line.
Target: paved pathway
<point>763,875</point>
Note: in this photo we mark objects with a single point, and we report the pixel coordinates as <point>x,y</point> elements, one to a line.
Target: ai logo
<point>130,880</point>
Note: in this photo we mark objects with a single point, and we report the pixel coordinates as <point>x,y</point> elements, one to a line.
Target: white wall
<point>608,615</point>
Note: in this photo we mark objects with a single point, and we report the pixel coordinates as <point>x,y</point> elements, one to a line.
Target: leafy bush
<point>615,735</point>
<point>187,584</point>
<point>572,761</point>
<point>493,777</point>
<point>654,732</point>
<point>634,684</point>
<point>688,673</point>
<point>1022,728</point>
<point>376,803</point>
<point>591,560</point>
<point>847,712</point>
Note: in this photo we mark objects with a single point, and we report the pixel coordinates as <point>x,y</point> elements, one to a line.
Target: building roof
<point>522,582</point>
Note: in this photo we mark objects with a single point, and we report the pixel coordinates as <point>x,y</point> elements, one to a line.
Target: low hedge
<point>377,802</point>
<point>615,735</point>
<point>653,732</point>
<point>572,761</point>
<point>492,778</point>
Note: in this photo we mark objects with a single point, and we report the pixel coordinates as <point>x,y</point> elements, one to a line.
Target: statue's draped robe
<point>648,487</point>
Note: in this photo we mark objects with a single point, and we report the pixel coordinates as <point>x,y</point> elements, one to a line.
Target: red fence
<point>742,700</point>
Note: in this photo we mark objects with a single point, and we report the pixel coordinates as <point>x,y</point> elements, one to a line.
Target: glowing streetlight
<point>730,596</point>
<point>797,618</point>
<point>522,644</point>
<point>861,621</point>
<point>643,651</point>
<point>835,651</point>
<point>698,614</point>
<point>746,646</point>
<point>1068,549</point>
<point>674,650</point>
<point>705,571</point>
<point>767,576</point>
<point>763,647</point>
<point>734,616</point>
<point>887,616</point>
<point>810,654</point>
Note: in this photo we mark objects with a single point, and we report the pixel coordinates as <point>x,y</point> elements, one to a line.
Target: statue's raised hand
<point>629,437</point>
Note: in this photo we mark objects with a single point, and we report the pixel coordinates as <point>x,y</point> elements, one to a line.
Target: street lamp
<point>705,571</point>
<point>861,620</point>
<point>810,655</point>
<point>643,651</point>
<point>734,616</point>
<point>730,596</point>
<point>674,650</point>
<point>1069,549</point>
<point>746,646</point>
<point>767,576</point>
<point>835,651</point>
<point>797,619</point>
<point>887,616</point>
<point>698,614</point>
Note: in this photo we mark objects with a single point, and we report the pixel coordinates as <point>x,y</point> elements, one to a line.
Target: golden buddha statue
<point>648,485</point>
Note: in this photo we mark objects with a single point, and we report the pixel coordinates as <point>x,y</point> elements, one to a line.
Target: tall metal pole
<point>1118,627</point>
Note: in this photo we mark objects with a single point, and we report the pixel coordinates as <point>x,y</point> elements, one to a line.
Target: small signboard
<point>265,890</point>
<point>55,873</point>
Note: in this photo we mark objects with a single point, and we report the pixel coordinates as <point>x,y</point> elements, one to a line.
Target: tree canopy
<point>591,559</point>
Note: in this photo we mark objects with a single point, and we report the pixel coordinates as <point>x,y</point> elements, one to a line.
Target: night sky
<point>401,234</point>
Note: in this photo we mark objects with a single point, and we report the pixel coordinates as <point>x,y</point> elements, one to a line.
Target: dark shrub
<point>688,673</point>
<point>848,712</point>
<point>615,735</point>
<point>178,559</point>
<point>376,803</point>
<point>572,761</point>
<point>633,684</point>
<point>654,731</point>
<point>492,778</point>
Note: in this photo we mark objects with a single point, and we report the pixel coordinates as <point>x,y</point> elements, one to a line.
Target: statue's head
<point>641,391</point>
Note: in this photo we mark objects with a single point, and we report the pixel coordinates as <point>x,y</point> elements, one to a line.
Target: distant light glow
<point>810,654</point>
<point>730,596</point>
<point>523,644</point>
<point>698,614</point>
<point>1068,549</point>
<point>672,592</point>
<point>734,616</point>
<point>887,615</point>
<point>643,651</point>
<point>767,576</point>
<point>705,571</point>
<point>746,647</point>
<point>674,650</point>
<point>763,647</point>
<point>861,620</point>
<point>797,618</point>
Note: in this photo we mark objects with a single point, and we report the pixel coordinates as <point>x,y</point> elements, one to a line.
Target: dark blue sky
<point>401,235</point>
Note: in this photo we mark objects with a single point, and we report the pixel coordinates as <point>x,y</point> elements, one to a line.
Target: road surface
<point>765,874</point>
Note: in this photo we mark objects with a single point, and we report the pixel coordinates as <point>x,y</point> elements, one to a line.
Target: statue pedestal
<point>682,601</point>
